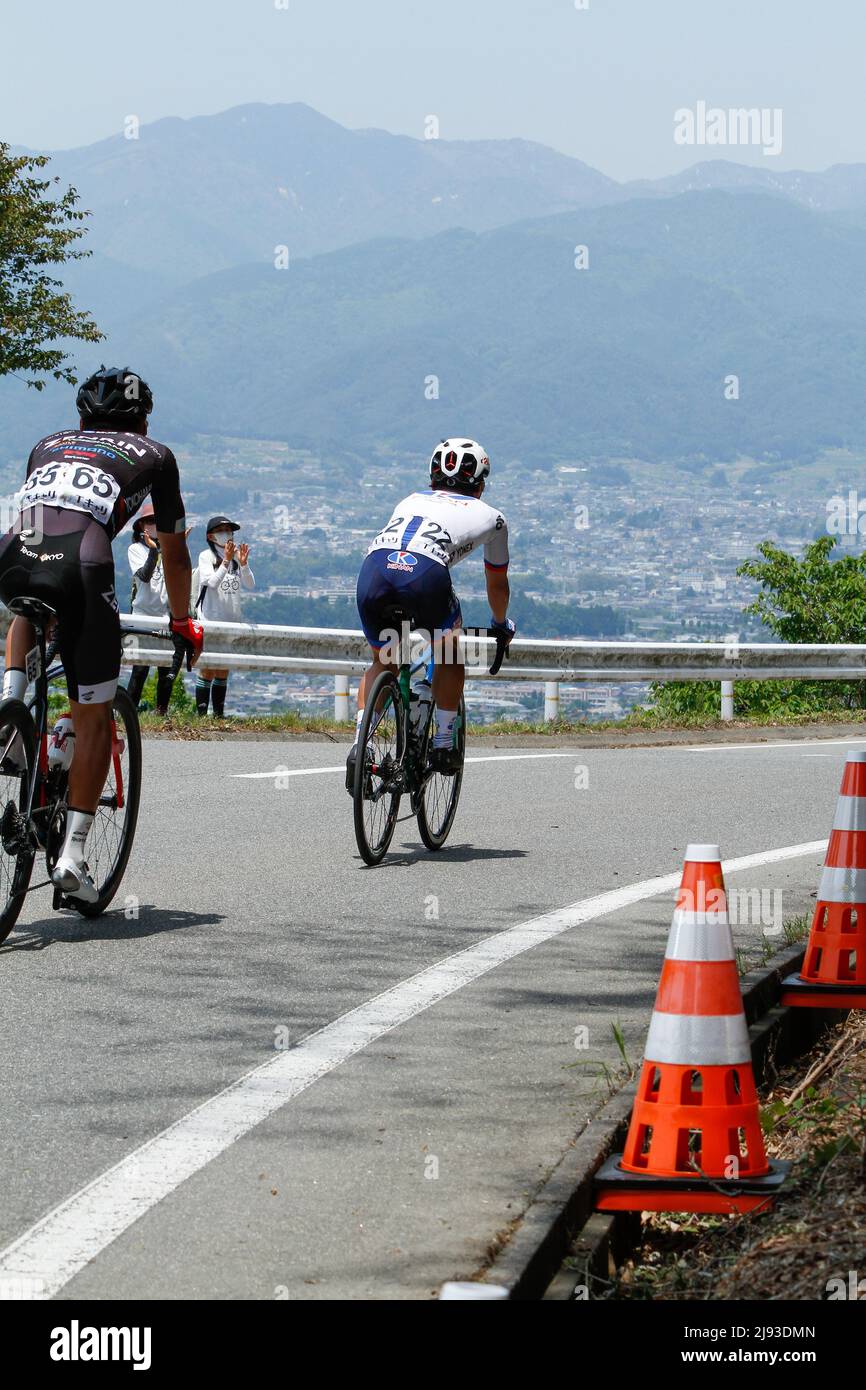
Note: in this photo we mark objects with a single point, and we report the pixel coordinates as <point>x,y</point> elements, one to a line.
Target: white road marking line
<point>570,753</point>
<point>59,1246</point>
<point>520,757</point>
<point>314,771</point>
<point>765,747</point>
<point>287,772</point>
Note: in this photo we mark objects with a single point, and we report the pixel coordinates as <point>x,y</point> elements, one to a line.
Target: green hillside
<point>627,358</point>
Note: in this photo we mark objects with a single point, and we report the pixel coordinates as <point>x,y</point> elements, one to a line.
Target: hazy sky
<point>600,83</point>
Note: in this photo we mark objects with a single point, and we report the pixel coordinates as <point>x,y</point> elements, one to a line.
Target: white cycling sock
<point>14,684</point>
<point>78,825</point>
<point>444,735</point>
<point>358,717</point>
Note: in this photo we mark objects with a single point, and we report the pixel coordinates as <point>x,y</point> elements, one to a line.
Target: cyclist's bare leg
<point>370,675</point>
<point>449,674</point>
<point>90,764</point>
<point>86,781</point>
<point>20,639</point>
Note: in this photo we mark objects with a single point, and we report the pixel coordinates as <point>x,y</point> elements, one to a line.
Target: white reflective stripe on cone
<point>850,813</point>
<point>703,854</point>
<point>842,886</point>
<point>856,755</point>
<point>700,936</point>
<point>698,1040</point>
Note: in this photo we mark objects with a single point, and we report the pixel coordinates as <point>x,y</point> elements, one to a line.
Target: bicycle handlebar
<point>165,636</point>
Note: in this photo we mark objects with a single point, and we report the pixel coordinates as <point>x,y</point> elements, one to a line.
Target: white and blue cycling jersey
<point>409,562</point>
<point>445,527</point>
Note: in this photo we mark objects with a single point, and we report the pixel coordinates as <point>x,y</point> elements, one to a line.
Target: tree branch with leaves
<point>815,598</point>
<point>37,232</point>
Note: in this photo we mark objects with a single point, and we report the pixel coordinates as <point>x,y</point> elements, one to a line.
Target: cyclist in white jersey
<point>408,566</point>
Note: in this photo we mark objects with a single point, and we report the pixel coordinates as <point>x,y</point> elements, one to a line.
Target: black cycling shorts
<point>71,568</point>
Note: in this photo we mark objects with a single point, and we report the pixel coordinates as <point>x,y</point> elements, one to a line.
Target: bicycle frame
<point>412,779</point>
<point>38,707</point>
<point>405,673</point>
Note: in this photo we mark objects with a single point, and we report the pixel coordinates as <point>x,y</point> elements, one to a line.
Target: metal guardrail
<point>343,653</point>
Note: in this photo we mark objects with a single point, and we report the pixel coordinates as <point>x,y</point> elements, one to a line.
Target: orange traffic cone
<point>694,1142</point>
<point>834,967</point>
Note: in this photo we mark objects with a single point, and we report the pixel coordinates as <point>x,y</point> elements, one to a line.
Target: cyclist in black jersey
<point>82,486</point>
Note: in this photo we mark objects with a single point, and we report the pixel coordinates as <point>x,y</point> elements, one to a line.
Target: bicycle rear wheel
<point>17,850</point>
<point>437,805</point>
<point>109,844</point>
<point>379,768</point>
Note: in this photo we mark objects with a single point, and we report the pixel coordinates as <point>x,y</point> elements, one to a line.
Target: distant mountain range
<point>189,197</point>
<point>413,259</point>
<point>192,196</point>
<point>841,188</point>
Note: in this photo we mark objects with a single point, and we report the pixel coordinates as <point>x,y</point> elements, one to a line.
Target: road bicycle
<point>393,748</point>
<point>33,785</point>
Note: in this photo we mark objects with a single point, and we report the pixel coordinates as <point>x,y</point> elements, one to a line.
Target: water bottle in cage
<point>420,700</point>
<point>61,744</point>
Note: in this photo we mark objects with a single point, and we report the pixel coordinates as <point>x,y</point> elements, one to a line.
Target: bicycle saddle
<point>33,609</point>
<point>394,616</point>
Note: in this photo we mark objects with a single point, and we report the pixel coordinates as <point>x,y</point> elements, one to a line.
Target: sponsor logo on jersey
<point>135,499</point>
<point>402,560</point>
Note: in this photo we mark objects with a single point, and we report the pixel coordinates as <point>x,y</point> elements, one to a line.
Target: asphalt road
<point>388,1152</point>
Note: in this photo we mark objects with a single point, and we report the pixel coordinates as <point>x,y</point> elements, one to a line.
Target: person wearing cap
<point>149,599</point>
<point>223,570</point>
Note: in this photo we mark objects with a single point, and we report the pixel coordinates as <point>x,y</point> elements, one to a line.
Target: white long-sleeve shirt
<point>151,596</point>
<point>221,585</point>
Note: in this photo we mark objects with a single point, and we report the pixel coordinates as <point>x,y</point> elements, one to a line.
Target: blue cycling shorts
<point>419,585</point>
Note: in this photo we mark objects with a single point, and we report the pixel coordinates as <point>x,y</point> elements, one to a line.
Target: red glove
<point>189,638</point>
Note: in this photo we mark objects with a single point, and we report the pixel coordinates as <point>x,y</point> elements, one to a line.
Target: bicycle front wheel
<point>379,768</point>
<point>17,851</point>
<point>109,844</point>
<point>437,805</point>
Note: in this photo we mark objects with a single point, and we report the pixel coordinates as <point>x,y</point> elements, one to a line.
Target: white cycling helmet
<point>459,463</point>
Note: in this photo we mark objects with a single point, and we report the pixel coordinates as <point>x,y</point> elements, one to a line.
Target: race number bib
<point>80,487</point>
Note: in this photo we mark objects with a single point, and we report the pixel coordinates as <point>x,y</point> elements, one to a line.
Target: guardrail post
<point>551,701</point>
<point>341,699</point>
<point>727,700</point>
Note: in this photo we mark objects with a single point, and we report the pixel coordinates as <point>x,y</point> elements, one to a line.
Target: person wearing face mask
<point>223,570</point>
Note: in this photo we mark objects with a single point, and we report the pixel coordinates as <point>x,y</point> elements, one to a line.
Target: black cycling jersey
<point>107,474</point>
<point>82,487</point>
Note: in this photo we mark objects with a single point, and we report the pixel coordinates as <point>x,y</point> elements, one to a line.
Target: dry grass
<point>816,1232</point>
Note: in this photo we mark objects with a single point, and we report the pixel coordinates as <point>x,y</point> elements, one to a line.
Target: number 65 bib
<point>80,487</point>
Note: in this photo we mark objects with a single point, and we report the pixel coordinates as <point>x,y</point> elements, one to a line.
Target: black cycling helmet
<point>114,393</point>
